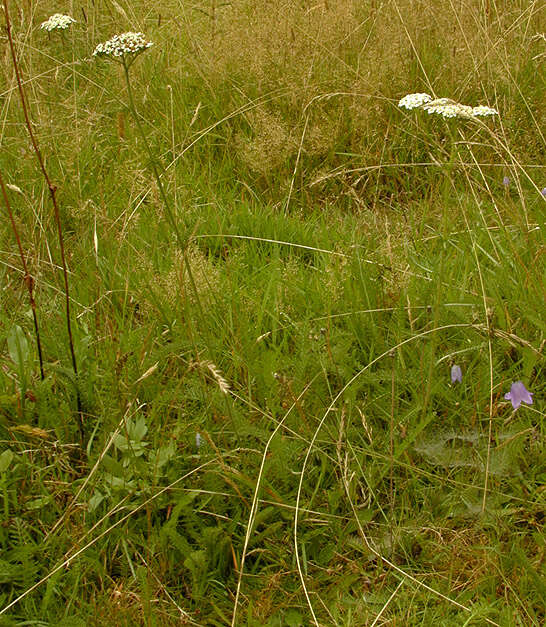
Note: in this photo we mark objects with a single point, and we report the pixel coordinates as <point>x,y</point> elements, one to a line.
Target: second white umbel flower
<point>445,107</point>
<point>58,21</point>
<point>124,47</point>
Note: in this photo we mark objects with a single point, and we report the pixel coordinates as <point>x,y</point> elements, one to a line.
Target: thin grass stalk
<point>27,278</point>
<point>52,192</point>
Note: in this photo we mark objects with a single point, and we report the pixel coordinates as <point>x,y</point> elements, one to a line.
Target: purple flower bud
<point>543,191</point>
<point>519,394</point>
<point>456,374</point>
<point>506,181</point>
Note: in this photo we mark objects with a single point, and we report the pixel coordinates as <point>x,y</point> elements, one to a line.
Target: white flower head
<point>124,46</point>
<point>483,110</point>
<point>412,101</point>
<point>58,21</point>
<point>445,107</point>
<point>448,108</point>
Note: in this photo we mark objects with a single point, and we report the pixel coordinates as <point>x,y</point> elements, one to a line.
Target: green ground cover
<point>274,271</point>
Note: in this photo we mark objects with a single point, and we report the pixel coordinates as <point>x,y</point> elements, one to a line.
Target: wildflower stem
<point>182,242</point>
<point>29,281</point>
<point>52,192</point>
<point>153,163</point>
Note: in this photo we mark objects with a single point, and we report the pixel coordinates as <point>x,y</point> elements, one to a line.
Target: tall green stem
<point>182,242</point>
<point>153,165</point>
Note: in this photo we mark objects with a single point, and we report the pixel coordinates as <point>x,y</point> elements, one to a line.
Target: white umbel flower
<point>483,110</point>
<point>58,21</point>
<point>412,101</point>
<point>126,44</point>
<point>445,107</point>
<point>448,108</point>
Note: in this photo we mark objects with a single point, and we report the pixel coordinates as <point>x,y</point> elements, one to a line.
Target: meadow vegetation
<point>273,269</point>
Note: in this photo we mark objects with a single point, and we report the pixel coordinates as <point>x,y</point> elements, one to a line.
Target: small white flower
<point>124,44</point>
<point>445,107</point>
<point>58,21</point>
<point>448,108</point>
<point>412,101</point>
<point>483,110</point>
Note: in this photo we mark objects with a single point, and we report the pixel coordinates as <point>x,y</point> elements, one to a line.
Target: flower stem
<point>182,241</point>
<point>52,192</point>
<point>153,165</point>
<point>29,281</point>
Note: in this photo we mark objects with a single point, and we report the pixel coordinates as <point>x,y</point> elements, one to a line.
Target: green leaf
<point>95,501</point>
<point>112,466</point>
<point>159,458</point>
<point>10,573</point>
<point>138,429</point>
<point>18,346</point>
<point>5,460</point>
<point>293,618</point>
<point>40,502</point>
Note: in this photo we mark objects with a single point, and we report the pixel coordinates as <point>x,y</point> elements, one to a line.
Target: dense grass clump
<point>258,337</point>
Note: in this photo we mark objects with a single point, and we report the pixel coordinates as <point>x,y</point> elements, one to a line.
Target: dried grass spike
<point>216,373</point>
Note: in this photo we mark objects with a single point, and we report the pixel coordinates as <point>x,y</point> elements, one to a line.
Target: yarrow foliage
<point>123,47</point>
<point>58,21</point>
<point>445,107</point>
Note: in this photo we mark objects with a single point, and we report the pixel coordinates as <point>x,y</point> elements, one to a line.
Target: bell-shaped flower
<point>456,374</point>
<point>519,394</point>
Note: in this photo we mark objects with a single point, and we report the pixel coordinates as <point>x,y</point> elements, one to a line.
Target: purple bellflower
<point>543,191</point>
<point>519,394</point>
<point>506,181</point>
<point>456,374</point>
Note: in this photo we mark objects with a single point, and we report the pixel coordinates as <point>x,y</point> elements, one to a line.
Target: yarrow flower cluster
<point>448,108</point>
<point>483,110</point>
<point>412,101</point>
<point>120,46</point>
<point>58,21</point>
<point>445,107</point>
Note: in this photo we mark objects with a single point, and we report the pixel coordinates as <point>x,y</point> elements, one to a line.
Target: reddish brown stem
<point>27,278</point>
<point>52,192</point>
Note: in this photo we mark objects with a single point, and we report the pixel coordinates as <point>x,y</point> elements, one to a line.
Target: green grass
<point>337,256</point>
